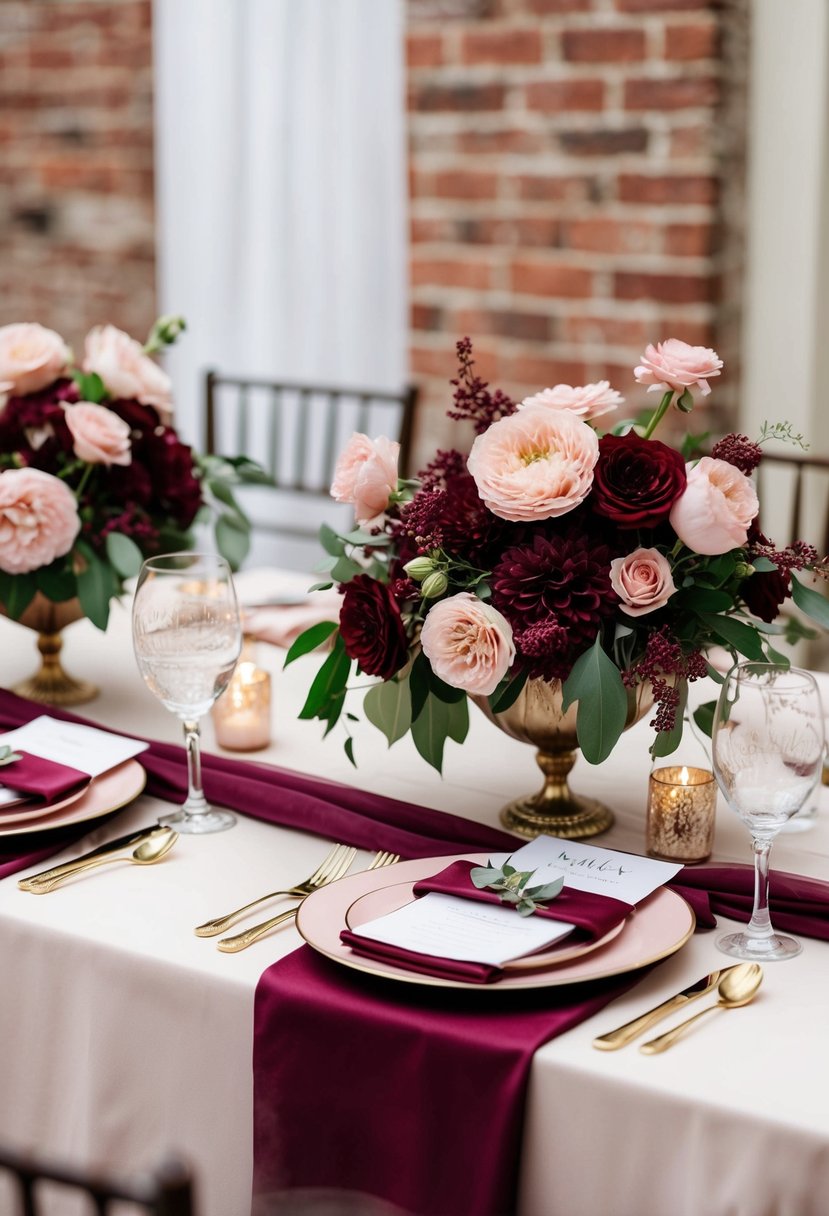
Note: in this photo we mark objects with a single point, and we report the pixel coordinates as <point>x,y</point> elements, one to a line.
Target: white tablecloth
<point>125,1036</point>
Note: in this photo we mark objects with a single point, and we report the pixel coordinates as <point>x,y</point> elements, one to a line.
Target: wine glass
<point>187,636</point>
<point>767,749</point>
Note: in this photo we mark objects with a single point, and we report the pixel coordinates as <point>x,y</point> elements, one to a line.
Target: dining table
<point>126,1037</point>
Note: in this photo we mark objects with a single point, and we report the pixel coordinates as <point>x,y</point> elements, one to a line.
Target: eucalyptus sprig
<point>513,886</point>
<point>7,755</point>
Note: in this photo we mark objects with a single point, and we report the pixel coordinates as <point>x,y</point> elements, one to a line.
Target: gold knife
<point>111,846</point>
<point>615,1039</point>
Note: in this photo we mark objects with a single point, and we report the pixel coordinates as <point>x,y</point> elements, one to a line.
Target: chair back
<point>167,1191</point>
<point>794,499</point>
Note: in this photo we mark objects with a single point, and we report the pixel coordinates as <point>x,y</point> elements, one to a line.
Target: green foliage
<point>596,683</point>
<point>309,640</point>
<point>97,584</point>
<point>7,756</point>
<point>123,554</point>
<point>513,886</point>
<point>388,706</point>
<point>90,386</point>
<point>16,593</point>
<point>811,602</point>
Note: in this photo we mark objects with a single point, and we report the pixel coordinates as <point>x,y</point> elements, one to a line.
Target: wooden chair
<point>794,498</point>
<point>166,1191</point>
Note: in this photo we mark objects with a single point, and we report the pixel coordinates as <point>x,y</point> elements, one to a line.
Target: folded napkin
<point>43,780</point>
<point>797,904</point>
<point>593,915</point>
<point>281,624</point>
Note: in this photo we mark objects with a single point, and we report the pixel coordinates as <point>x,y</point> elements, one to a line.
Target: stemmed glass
<point>767,749</point>
<point>187,636</point>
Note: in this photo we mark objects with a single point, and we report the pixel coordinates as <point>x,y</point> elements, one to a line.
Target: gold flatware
<point>737,987</point>
<point>146,853</point>
<point>328,869</point>
<point>614,1039</point>
<point>232,945</point>
<point>111,846</point>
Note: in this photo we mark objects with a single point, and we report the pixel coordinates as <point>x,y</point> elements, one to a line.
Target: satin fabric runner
<point>593,916</point>
<point>42,779</point>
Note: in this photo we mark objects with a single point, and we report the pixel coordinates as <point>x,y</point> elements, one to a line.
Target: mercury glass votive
<point>242,715</point>
<point>682,805</point>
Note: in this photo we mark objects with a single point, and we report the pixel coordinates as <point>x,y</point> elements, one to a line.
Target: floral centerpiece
<point>93,477</point>
<point>567,549</point>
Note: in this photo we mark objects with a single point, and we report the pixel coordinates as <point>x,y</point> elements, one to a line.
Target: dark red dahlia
<point>451,516</point>
<point>371,627</point>
<point>765,592</point>
<point>636,481</point>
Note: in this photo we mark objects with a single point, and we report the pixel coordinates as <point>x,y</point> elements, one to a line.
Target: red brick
<point>604,142</point>
<point>666,288</point>
<point>530,327</point>
<point>426,316</point>
<point>464,183</point>
<point>690,141</point>
<point>457,97</point>
<point>552,96</point>
<point>535,372</point>
<point>424,231</point>
<point>691,240</point>
<point>607,331</point>
<point>450,272</point>
<point>678,188</point>
<point>424,50</point>
<point>671,94</point>
<point>541,278</point>
<point>427,362</point>
<point>665,6</point>
<point>603,45</point>
<point>605,235</point>
<point>549,8</point>
<point>502,45</point>
<point>498,142</point>
<point>558,189</point>
<point>698,41</point>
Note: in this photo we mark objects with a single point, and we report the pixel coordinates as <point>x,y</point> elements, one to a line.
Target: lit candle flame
<point>684,775</point>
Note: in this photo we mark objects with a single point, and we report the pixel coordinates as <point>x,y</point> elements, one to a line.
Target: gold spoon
<point>146,853</point>
<point>737,987</point>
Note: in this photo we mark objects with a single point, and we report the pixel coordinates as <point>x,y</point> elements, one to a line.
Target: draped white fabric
<point>281,190</point>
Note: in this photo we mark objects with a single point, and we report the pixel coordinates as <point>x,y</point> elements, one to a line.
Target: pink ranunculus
<point>31,357</point>
<point>642,581</point>
<point>98,435</point>
<point>366,476</point>
<point>717,507</point>
<point>38,519</point>
<point>468,643</point>
<point>127,372</point>
<point>536,464</point>
<point>676,365</point>
<point>587,401</point>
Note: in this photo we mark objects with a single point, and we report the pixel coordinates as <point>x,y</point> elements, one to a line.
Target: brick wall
<point>76,165</point>
<point>571,165</point>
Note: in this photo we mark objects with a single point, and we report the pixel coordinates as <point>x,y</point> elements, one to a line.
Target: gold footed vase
<point>537,717</point>
<point>51,685</point>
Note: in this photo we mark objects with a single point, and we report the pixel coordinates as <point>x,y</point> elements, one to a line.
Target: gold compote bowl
<point>51,685</point>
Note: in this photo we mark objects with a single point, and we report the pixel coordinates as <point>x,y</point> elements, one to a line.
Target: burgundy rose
<point>764,593</point>
<point>371,627</point>
<point>636,481</point>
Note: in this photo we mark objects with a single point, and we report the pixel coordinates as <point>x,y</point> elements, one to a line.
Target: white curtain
<point>281,190</point>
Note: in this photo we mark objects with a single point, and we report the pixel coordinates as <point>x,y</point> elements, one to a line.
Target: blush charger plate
<point>108,792</point>
<point>659,926</point>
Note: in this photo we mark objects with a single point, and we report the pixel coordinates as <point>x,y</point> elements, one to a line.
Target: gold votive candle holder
<point>682,807</point>
<point>242,714</point>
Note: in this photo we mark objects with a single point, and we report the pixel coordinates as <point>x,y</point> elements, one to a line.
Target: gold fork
<point>333,866</point>
<point>232,945</point>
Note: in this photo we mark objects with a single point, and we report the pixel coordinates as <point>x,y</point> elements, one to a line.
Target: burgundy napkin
<point>44,780</point>
<point>593,916</point>
<point>797,904</point>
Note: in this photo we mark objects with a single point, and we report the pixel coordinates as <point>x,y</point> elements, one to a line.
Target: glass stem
<point>196,803</point>
<point>760,923</point>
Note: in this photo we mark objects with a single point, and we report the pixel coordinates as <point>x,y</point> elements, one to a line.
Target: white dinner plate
<point>108,792</point>
<point>659,926</point>
<point>16,815</point>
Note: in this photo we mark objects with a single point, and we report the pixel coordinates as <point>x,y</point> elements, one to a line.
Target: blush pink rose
<point>127,372</point>
<point>366,476</point>
<point>642,581</point>
<point>716,509</point>
<point>536,464</point>
<point>38,520</point>
<point>31,357</point>
<point>98,435</point>
<point>587,401</point>
<point>468,643</point>
<point>675,364</point>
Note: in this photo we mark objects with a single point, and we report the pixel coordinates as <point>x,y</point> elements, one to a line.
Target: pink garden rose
<point>127,372</point>
<point>587,401</point>
<point>38,520</point>
<point>642,581</point>
<point>536,464</point>
<point>468,643</point>
<point>366,475</point>
<point>98,435</point>
<point>676,365</point>
<point>717,507</point>
<point>31,357</point>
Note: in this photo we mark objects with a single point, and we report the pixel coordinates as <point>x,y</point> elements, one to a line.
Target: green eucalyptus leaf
<point>348,748</point>
<point>328,683</point>
<point>430,730</point>
<point>596,683</point>
<point>388,706</point>
<point>97,584</point>
<point>124,554</point>
<point>704,717</point>
<point>57,581</point>
<point>811,602</point>
<point>458,725</point>
<point>482,876</point>
<point>507,692</point>
<point>345,569</point>
<point>232,539</point>
<point>309,640</point>
<point>419,682</point>
<point>331,542</point>
<point>736,633</point>
<point>763,565</point>
<point>17,591</point>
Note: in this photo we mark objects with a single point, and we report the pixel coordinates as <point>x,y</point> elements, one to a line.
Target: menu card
<point>84,748</point>
<point>467,930</point>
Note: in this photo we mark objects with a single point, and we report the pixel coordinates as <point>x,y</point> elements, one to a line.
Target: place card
<point>84,748</point>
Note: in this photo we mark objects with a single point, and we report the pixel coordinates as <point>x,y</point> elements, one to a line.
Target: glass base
<point>200,823</point>
<point>759,949</point>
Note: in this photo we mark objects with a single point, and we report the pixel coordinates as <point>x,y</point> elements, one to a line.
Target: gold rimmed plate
<point>660,926</point>
<point>108,792</point>
<point>26,809</point>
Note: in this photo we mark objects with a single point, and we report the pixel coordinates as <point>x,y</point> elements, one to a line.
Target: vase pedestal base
<point>555,810</point>
<point>51,685</point>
